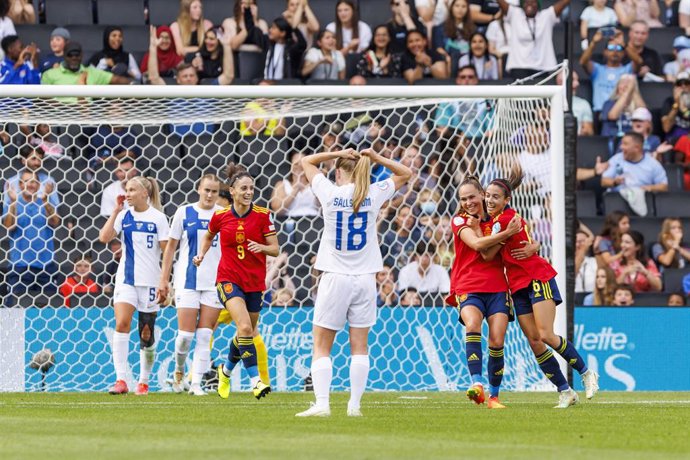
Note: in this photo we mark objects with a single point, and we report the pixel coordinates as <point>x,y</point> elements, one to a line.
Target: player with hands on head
<point>349,257</point>
<point>143,230</point>
<point>247,236</point>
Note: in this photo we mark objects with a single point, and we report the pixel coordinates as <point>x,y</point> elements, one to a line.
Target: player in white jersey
<point>196,297</point>
<point>143,230</point>
<point>349,257</point>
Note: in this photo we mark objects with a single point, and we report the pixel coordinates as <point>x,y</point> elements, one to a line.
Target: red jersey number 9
<point>240,252</point>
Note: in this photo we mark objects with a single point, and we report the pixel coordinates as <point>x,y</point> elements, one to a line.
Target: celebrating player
<point>247,235</point>
<point>195,292</point>
<point>535,294</point>
<point>479,289</point>
<point>349,257</point>
<point>144,234</point>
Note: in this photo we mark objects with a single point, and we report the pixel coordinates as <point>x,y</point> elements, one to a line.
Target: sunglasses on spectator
<point>613,47</point>
<point>682,82</point>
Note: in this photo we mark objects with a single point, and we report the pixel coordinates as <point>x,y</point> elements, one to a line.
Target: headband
<point>501,184</point>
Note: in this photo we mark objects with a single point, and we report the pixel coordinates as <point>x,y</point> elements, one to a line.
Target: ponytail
<point>512,182</point>
<point>151,186</point>
<point>360,171</point>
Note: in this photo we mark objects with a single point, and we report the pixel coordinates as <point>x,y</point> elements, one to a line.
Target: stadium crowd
<point>633,112</point>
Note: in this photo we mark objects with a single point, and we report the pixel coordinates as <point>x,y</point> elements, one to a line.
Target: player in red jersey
<point>247,235</point>
<point>479,289</point>
<point>535,294</point>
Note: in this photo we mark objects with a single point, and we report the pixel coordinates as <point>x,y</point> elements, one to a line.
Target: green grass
<point>396,425</point>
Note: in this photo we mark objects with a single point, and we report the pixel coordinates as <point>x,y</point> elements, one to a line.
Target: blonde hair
<point>636,92</point>
<point>184,20</point>
<point>152,189</point>
<point>360,171</point>
<point>210,176</point>
<point>605,296</point>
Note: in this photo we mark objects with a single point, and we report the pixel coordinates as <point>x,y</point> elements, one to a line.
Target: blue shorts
<point>227,291</point>
<point>538,291</point>
<point>489,303</point>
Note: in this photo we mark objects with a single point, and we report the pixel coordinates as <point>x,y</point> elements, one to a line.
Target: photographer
<point>675,120</point>
<point>20,64</point>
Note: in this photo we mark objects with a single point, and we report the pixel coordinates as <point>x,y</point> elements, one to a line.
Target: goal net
<point>91,139</point>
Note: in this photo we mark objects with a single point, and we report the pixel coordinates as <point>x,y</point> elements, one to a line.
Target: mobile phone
<point>608,32</point>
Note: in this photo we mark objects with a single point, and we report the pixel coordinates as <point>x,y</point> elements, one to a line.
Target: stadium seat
<point>351,61</point>
<point>661,38</point>
<point>672,204</point>
<point>251,65</point>
<point>386,81</point>
<point>585,89</point>
<point>655,94</point>
<point>111,12</point>
<point>673,278</point>
<point>373,12</point>
<point>675,177</point>
<point>325,11</point>
<point>434,82</point>
<point>69,12</point>
<point>319,82</point>
<point>36,33</point>
<point>586,203</point>
<point>589,148</point>
<point>580,297</point>
<point>136,38</point>
<point>217,10</point>
<point>163,12</point>
<point>650,299</point>
<point>648,226</point>
<point>90,37</point>
<point>614,202</point>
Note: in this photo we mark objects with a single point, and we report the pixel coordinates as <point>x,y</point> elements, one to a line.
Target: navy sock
<point>248,354</point>
<point>571,356</point>
<point>234,357</point>
<point>473,351</point>
<point>549,366</point>
<point>495,368</point>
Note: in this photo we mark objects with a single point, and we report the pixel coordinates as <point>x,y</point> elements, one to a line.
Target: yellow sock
<point>210,343</point>
<point>262,359</point>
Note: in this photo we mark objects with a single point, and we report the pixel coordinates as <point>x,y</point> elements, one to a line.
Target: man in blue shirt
<point>633,168</point>
<point>32,160</point>
<point>30,219</point>
<point>20,64</point>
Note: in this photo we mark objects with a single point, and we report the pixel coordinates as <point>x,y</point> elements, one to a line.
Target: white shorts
<point>342,298</point>
<point>141,297</point>
<point>191,298</point>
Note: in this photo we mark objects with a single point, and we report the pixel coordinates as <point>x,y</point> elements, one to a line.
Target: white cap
<point>642,114</point>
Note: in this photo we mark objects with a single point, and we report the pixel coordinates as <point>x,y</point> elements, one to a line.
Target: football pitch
<point>395,425</point>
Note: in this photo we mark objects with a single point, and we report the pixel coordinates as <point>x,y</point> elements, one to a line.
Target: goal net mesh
<point>87,144</point>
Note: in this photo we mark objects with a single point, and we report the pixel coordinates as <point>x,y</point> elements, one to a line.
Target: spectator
<point>301,17</point>
<point>208,61</point>
<point>29,218</point>
<point>454,35</point>
<point>292,196</point>
<point>20,66</point>
<point>111,144</point>
<point>616,113</point>
<point>623,296</point>
<point>604,286</point>
<point>675,121</point>
<point>401,24</point>
<point>676,299</point>
<point>651,68</point>
<point>284,297</point>
<point>641,120</point>
<point>166,54</point>
<point>22,12</point>
<point>485,11</point>
<point>113,57</point>
<point>498,34</point>
<point>379,60</point>
<point>582,110</point>
<point>670,251</point>
<point>245,27</point>
<point>188,31</point>
<point>72,72</point>
<point>471,117</point>
<point>385,281</point>
<point>634,267</point>
<point>6,24</point>
<point>81,281</point>
<point>629,11</point>
<point>408,193</point>
<point>535,157</point>
<point>58,39</point>
<point>324,61</point>
<point>410,298</point>
<point>585,264</point>
<point>682,148</point>
<point>432,12</point>
<point>42,137</point>
<point>277,276</point>
<point>632,168</point>
<point>349,39</point>
<point>607,245</point>
<point>399,243</point>
<point>672,68</point>
<point>255,120</point>
<point>423,274</point>
<point>32,161</point>
<point>484,63</point>
<point>284,56</point>
<point>605,76</point>
<point>419,61</point>
<point>596,16</point>
<point>110,270</point>
<point>442,238</point>
<point>116,189</point>
<point>186,72</point>
<point>531,43</point>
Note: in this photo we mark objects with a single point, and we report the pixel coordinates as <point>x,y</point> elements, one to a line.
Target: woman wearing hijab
<point>167,56</point>
<point>113,57</point>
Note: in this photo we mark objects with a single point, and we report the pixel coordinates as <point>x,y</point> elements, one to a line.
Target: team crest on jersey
<point>240,227</point>
<point>462,297</point>
<point>139,225</point>
<point>204,223</point>
<point>458,221</point>
<point>383,185</point>
<point>239,238</point>
<point>271,228</point>
<point>151,227</point>
<point>227,288</point>
<point>496,228</point>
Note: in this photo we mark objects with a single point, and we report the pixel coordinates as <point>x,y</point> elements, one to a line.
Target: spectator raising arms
<point>646,11</point>
<point>485,64</point>
<point>324,61</point>
<point>351,34</point>
<point>166,54</point>
<point>301,17</point>
<point>188,30</point>
<point>113,57</point>
<point>22,12</point>
<point>617,111</point>
<point>20,66</point>
<point>379,60</point>
<point>670,251</point>
<point>284,57</point>
<point>58,39</point>
<point>453,36</point>
<point>245,27</point>
<point>401,24</point>
<point>421,62</point>
<point>634,267</point>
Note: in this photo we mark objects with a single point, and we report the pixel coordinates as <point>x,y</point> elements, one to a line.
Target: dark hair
<point>513,181</point>
<point>26,152</point>
<point>372,45</point>
<point>414,31</point>
<point>126,159</point>
<point>624,287</point>
<point>486,42</point>
<point>4,8</point>
<point>236,172</point>
<point>319,37</point>
<point>467,67</point>
<point>680,294</point>
<point>425,247</point>
<point>204,52</point>
<point>637,137</point>
<point>611,221</point>
<point>451,30</point>
<point>638,239</point>
<point>237,12</point>
<point>184,66</point>
<point>339,25</point>
<point>82,256</point>
<point>284,26</point>
<point>8,41</point>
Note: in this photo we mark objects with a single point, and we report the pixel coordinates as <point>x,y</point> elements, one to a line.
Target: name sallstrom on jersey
<point>347,202</point>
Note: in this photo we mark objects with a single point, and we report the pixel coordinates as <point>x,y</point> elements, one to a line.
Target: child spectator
<point>58,39</point>
<point>166,54</point>
<point>324,61</point>
<point>79,282</point>
<point>20,66</point>
<point>676,299</point>
<point>487,66</point>
<point>604,286</point>
<point>421,62</point>
<point>385,280</point>
<point>623,296</point>
<point>410,298</point>
<point>285,50</point>
<point>301,17</point>
<point>351,34</point>
<point>596,16</point>
<point>379,60</point>
<point>670,251</point>
<point>113,57</point>
<point>188,30</point>
<point>634,267</point>
<point>607,244</point>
